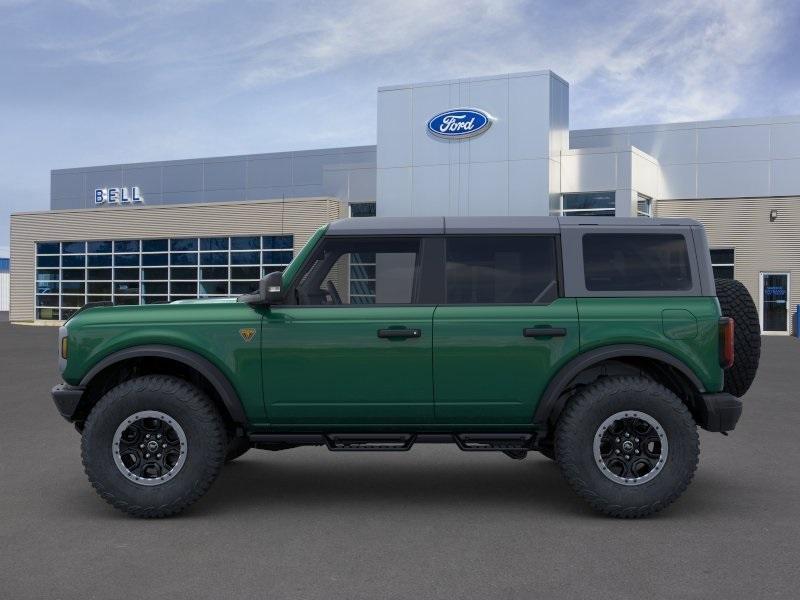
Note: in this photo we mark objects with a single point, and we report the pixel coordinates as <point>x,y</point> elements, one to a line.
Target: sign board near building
<point>115,195</point>
<point>460,123</point>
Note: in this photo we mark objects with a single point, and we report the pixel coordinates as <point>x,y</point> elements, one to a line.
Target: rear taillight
<point>726,325</point>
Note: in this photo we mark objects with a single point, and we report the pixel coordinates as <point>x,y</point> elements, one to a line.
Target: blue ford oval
<point>459,123</point>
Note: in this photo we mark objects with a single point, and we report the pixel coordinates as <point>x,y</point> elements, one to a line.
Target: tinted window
<point>361,271</point>
<point>636,262</point>
<point>501,270</point>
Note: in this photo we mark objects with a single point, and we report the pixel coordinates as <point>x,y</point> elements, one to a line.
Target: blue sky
<point>93,82</point>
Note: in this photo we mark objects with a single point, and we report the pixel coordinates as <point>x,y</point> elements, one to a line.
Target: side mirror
<point>270,290</point>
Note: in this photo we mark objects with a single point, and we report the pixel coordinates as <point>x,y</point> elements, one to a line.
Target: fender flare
<point>549,400</point>
<point>207,369</point>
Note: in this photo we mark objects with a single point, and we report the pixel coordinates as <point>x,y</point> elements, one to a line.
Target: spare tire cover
<point>735,302</point>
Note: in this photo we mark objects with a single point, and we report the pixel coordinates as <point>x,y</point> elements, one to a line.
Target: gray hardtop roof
<point>467,225</point>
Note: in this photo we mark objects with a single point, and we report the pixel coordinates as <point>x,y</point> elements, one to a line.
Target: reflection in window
<point>588,204</point>
<point>722,262</point>
<point>71,273</point>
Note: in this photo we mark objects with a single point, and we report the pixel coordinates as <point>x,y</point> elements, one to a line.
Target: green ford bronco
<point>602,343</point>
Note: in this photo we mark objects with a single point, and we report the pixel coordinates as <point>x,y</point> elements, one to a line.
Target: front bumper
<point>719,412</point>
<point>67,399</point>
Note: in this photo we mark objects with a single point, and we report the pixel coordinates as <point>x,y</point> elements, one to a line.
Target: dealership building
<point>484,146</point>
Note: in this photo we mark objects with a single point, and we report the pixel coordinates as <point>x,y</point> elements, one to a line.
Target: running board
<point>397,442</point>
<point>494,442</point>
<point>354,442</point>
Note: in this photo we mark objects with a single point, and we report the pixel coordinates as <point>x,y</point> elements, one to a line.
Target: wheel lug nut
<point>159,437</point>
<point>147,455</point>
<point>617,440</point>
<point>141,445</point>
<point>635,439</point>
<point>627,456</point>
<point>627,435</point>
<point>163,445</point>
<point>636,451</point>
<point>147,436</point>
<point>158,455</point>
<point>617,450</point>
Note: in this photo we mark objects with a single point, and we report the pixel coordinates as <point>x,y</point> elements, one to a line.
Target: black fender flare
<point>549,399</point>
<point>207,369</point>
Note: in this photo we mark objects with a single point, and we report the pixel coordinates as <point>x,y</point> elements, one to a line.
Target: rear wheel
<point>627,445</point>
<point>735,302</point>
<point>153,445</point>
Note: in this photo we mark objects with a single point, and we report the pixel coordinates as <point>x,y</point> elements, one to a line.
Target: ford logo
<point>460,123</point>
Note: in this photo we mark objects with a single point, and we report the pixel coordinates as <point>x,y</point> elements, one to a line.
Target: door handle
<point>399,333</point>
<point>536,332</point>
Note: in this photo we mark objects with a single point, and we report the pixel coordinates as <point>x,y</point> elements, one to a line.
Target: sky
<point>94,82</point>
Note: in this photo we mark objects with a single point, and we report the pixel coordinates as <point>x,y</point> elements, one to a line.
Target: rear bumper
<point>719,412</point>
<point>67,399</point>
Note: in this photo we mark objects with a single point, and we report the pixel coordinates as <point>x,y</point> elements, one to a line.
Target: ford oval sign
<point>459,123</point>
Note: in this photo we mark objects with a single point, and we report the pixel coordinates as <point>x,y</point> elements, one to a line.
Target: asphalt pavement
<point>431,523</point>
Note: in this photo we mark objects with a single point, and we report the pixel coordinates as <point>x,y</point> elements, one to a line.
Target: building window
<point>589,204</point>
<point>362,209</point>
<point>70,274</point>
<point>722,262</point>
<point>644,206</point>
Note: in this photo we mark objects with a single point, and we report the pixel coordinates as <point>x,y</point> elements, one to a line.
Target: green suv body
<point>498,334</point>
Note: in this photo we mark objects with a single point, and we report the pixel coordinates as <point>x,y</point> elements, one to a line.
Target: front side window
<point>616,262</point>
<point>501,270</point>
<point>361,271</point>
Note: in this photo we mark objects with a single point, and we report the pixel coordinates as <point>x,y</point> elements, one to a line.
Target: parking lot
<point>432,523</point>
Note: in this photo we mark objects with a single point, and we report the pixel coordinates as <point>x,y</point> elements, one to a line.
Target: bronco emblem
<point>247,333</point>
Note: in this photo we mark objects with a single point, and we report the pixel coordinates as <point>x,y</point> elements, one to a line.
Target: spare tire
<point>735,302</point>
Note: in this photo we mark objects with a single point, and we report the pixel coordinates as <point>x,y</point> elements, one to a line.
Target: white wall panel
<point>426,102</point>
<point>394,191</point>
<point>488,189</point>
<point>726,144</point>
<point>492,96</point>
<point>526,181</point>
<point>394,133</point>
<point>667,147</point>
<point>588,172</point>
<point>733,179</point>
<point>430,190</point>
<point>4,291</point>
<point>785,177</point>
<point>529,136</point>
<point>678,181</point>
<point>785,140</point>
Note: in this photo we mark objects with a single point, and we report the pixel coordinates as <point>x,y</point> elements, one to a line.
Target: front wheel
<point>153,445</point>
<point>627,445</point>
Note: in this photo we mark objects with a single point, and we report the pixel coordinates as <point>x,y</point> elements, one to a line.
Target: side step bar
<point>396,442</point>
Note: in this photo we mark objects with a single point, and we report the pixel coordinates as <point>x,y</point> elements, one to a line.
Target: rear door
<point>503,329</point>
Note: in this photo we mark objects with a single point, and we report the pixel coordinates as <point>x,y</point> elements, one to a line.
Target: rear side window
<point>615,262</point>
<point>501,270</point>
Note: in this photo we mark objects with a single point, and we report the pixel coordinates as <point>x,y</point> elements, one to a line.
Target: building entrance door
<point>774,303</point>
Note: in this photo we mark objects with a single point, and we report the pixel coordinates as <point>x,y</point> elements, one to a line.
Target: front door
<point>355,348</point>
<point>503,330</point>
<point>774,303</point>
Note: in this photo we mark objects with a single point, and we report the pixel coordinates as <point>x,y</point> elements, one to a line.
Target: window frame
<point>574,278</point>
<point>418,293</point>
<point>732,265</point>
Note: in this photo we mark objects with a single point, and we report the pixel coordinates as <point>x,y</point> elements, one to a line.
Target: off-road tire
<point>579,423</point>
<point>735,302</point>
<point>205,439</point>
<point>236,447</point>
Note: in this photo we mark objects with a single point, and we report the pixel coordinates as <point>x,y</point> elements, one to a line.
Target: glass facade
<point>70,274</point>
<point>644,206</point>
<point>588,204</point>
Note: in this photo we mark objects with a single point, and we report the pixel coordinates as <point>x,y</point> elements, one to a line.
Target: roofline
<point>687,125</point>
<point>217,159</point>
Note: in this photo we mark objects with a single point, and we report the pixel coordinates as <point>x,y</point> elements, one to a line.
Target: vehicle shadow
<point>390,483</point>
